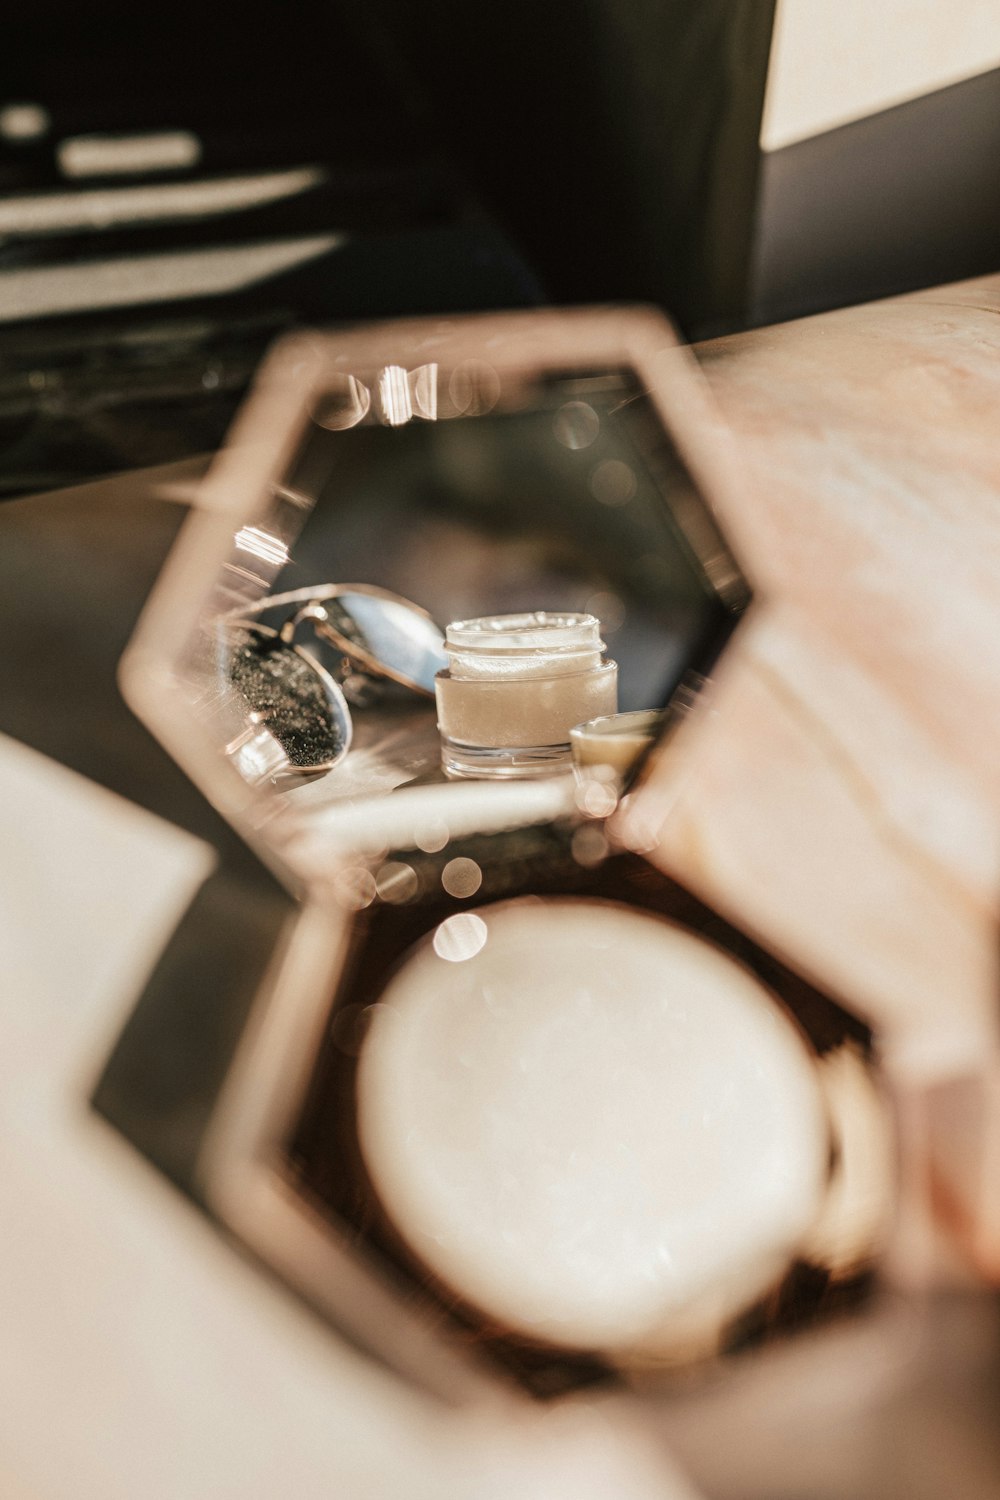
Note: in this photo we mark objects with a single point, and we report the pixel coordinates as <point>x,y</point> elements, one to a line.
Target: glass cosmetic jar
<point>616,741</point>
<point>514,687</point>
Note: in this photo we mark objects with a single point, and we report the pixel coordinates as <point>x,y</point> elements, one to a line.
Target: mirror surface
<point>409,499</point>
<point>562,498</point>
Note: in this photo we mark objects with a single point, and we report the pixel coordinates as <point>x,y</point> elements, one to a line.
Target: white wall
<point>833,61</point>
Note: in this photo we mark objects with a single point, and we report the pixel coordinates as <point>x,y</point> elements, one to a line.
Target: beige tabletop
<point>841,796</point>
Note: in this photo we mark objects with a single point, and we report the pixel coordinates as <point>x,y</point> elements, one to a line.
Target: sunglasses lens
<point>292,698</point>
<point>381,636</point>
<point>395,636</point>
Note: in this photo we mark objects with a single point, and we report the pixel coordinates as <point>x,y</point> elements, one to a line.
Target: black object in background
<point>617,140</point>
<point>135,305</point>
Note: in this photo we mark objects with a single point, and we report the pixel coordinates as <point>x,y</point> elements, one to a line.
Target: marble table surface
<point>839,798</point>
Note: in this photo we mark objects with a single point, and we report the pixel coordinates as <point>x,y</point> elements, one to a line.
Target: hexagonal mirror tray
<point>528,473</point>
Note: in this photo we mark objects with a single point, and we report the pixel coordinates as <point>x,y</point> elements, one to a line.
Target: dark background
<point>471,157</point>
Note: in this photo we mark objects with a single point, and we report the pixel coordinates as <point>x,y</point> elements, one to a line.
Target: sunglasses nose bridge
<point>312,611</point>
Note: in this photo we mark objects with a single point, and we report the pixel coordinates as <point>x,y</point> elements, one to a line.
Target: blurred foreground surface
<point>842,805</point>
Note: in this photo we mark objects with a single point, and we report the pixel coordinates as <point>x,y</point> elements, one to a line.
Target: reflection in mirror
<point>298,724</point>
<point>567,496</point>
<point>487,494</point>
<point>514,687</point>
<point>377,634</point>
<point>615,740</point>
<point>510,485</point>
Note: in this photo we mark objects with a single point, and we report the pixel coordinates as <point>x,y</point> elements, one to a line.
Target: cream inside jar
<point>514,687</point>
<point>592,1125</point>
